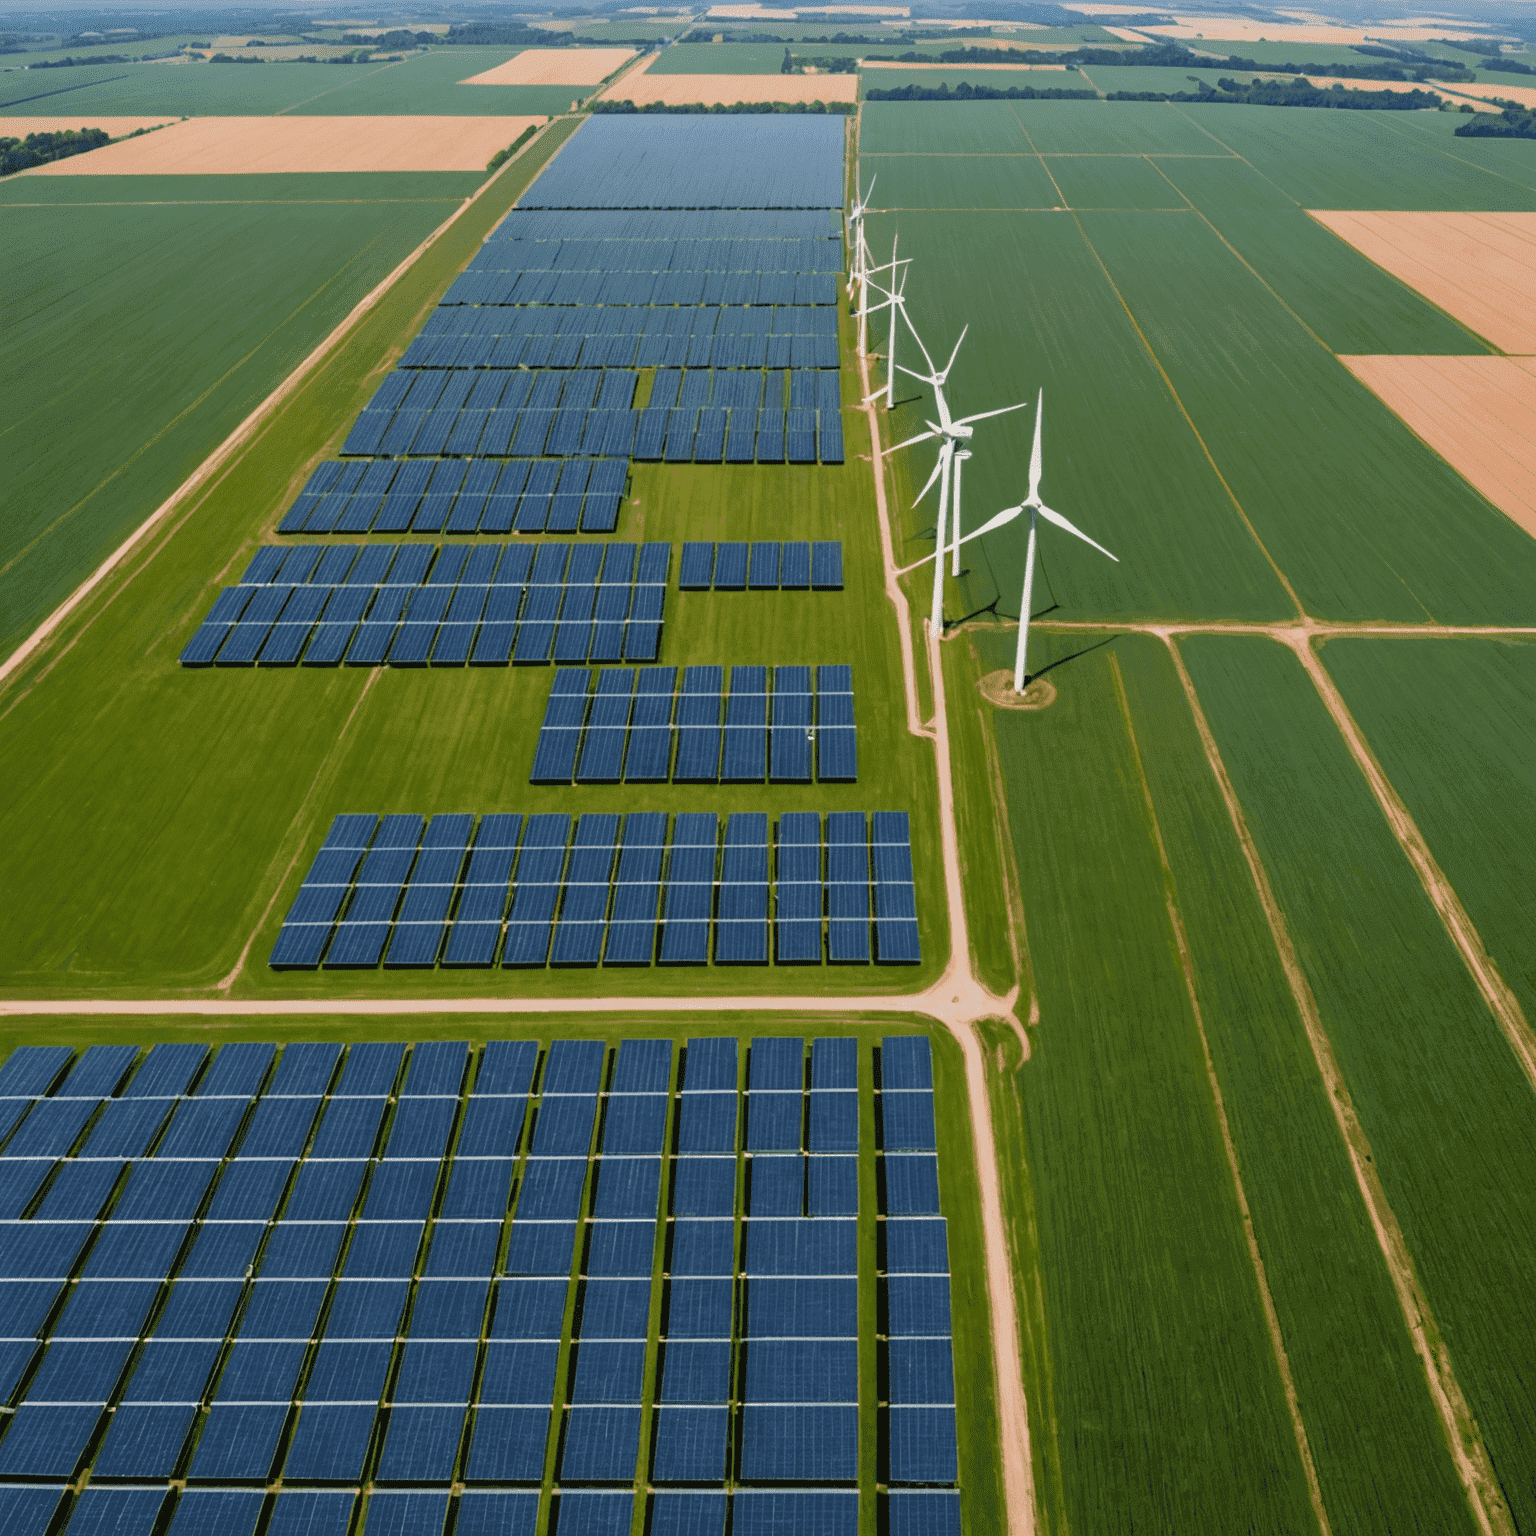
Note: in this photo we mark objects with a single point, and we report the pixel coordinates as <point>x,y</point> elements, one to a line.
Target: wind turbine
<point>951,433</point>
<point>1036,509</point>
<point>894,299</point>
<point>858,251</point>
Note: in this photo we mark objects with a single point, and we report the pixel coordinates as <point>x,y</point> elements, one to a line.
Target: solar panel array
<point>459,496</point>
<point>604,320</point>
<point>602,888</point>
<point>643,727</point>
<point>411,605</point>
<point>762,566</point>
<point>249,1290</point>
<point>919,1439</point>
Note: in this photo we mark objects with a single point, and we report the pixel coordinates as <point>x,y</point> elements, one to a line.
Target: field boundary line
<point>245,431</point>
<point>1501,1001</point>
<point>1250,1236</point>
<point>1463,1437</point>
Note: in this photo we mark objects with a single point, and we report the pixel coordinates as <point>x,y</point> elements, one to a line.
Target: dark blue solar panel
<point>691,1445</point>
<point>31,1069</point>
<point>401,1190</point>
<point>602,751</point>
<point>80,1191</point>
<point>326,1191</point>
<point>697,568</point>
<point>921,1445</point>
<point>51,1129</point>
<point>698,725</point>
<point>477,927</point>
<point>834,1121</point>
<point>699,1309</point>
<point>421,1445</point>
<point>907,1119</point>
<point>703,1186</point>
<point>519,1373</point>
<point>449,1309</point>
<point>200,1310</point>
<point>217,1512</point>
<point>785,1309</point>
<point>746,718</point>
<point>637,893</point>
<point>46,1441</point>
<point>298,1513</point>
<point>347,1372</point>
<point>790,737</point>
<point>800,1444</point>
<point>105,1310</point>
<point>741,933</point>
<point>19,1182</point>
<point>30,1253</point>
<point>479,1189</point>
<point>601,1444</point>
<point>906,1061</point>
<point>763,1513</point>
<point>498,1514</point>
<point>707,1122</point>
<point>801,1371</point>
<point>917,1306</point>
<point>921,1371</point>
<point>131,1251</point>
<point>238,1442</point>
<point>650,738</point>
<point>435,1372</point>
<point>202,1128</point>
<point>540,1248</point>
<point>795,566</point>
<point>635,1123</point>
<point>79,1372</point>
<point>627,1187</point>
<point>696,1372</point>
<point>923,1513</point>
<point>529,1309</point>
<point>800,1247</point>
<point>463,1248</point>
<point>583,912</point>
<point>307,1067</point>
<point>608,1371</point>
<point>301,1250</point>
<point>330,1444</point>
<point>773,1121</point>
<point>703,1247</point>
<point>507,1446</point>
<point>690,887</point>
<point>832,1186</point>
<point>109,1511</point>
<point>911,1185</point>
<point>776,1186</point>
<point>506,1066</point>
<point>405,1514</point>
<point>533,903</point>
<point>731,567</point>
<point>383,1250</point>
<point>687,1513</point>
<point>710,1063</point>
<point>167,1070</point>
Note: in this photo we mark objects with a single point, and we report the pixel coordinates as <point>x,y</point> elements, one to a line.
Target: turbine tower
<point>951,433</point>
<point>894,300</point>
<point>858,251</point>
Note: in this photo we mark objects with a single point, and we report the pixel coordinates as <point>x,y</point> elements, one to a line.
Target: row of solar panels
<point>496,337</point>
<point>905,1118</point>
<point>483,605</point>
<point>540,225</point>
<point>459,496</point>
<point>607,252</point>
<point>620,725</point>
<point>792,566</point>
<point>705,162</point>
<point>703,415</point>
<point>36,1510</point>
<point>621,287</point>
<point>385,889</point>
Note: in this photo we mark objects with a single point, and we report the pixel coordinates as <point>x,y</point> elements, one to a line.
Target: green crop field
<point>1360,523</point>
<point>1380,1453</point>
<point>1438,1090</point>
<point>1446,720</point>
<point>956,75</point>
<point>425,84</point>
<point>188,300</point>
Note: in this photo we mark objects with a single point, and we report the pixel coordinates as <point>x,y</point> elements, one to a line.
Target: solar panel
<point>799,1443</point>
<point>533,902</point>
<point>746,717</point>
<point>601,1444</point>
<point>741,932</point>
<point>791,735</point>
<point>704,1186</point>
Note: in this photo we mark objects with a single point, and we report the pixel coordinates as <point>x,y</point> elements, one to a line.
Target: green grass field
<point>1468,788</point>
<point>151,316</point>
<point>1438,1091</point>
<point>424,84</point>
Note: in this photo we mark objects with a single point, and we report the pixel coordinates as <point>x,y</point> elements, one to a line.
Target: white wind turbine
<point>952,433</point>
<point>858,252</point>
<point>1036,509</point>
<point>895,299</point>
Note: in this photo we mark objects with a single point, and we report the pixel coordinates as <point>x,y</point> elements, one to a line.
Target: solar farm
<point>805,814</point>
<point>250,1285</point>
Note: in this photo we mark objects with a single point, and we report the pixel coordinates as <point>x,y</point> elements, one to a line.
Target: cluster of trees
<point>40,148</point>
<point>1290,93</point>
<point>1507,66</point>
<point>1514,122</point>
<point>501,156</point>
<point>507,34</point>
<point>398,37</point>
<point>736,109</point>
<point>965,91</point>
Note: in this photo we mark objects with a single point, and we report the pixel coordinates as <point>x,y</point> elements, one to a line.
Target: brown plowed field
<point>1477,413</point>
<point>1479,267</point>
<point>555,66</point>
<point>232,146</point>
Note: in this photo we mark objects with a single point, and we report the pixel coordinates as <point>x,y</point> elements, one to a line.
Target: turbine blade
<point>932,371</point>
<point>922,437</point>
<point>938,469</point>
<point>965,421</point>
<point>1003,518</point>
<point>1072,528</point>
<point>1034,453</point>
<point>953,355</point>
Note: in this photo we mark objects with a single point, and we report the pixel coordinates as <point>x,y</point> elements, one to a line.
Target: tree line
<point>40,148</point>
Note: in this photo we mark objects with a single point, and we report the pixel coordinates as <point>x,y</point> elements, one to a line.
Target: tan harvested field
<point>1487,91</point>
<point>1479,267</point>
<point>1236,29</point>
<point>238,146</point>
<point>1477,413</point>
<point>682,90</point>
<point>555,66</point>
<point>952,68</point>
<point>1327,82</point>
<point>118,127</point>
